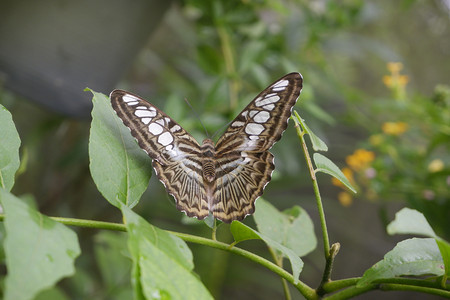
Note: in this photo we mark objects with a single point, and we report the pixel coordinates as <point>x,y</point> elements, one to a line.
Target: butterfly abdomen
<point>208,162</point>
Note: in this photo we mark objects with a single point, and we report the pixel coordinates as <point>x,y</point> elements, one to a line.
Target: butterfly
<point>222,179</point>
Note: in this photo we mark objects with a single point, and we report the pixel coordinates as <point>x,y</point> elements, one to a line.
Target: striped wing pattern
<point>226,179</point>
<point>244,164</point>
<point>175,153</point>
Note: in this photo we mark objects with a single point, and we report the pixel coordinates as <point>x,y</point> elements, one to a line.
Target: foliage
<point>406,155</point>
<point>162,262</point>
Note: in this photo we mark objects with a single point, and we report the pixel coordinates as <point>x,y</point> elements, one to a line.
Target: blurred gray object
<point>51,50</point>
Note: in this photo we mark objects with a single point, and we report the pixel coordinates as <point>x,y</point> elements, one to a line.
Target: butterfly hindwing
<point>175,153</point>
<point>240,180</point>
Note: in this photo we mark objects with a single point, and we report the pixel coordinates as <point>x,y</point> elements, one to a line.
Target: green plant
<point>39,250</point>
<point>406,155</point>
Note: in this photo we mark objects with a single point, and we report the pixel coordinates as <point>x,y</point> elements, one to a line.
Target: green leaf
<point>162,263</point>
<point>120,169</point>
<point>113,261</point>
<point>444,248</point>
<point>52,294</point>
<point>317,143</point>
<point>410,221</point>
<point>39,251</point>
<point>413,257</point>
<point>292,228</point>
<point>325,165</point>
<point>9,149</point>
<point>242,232</point>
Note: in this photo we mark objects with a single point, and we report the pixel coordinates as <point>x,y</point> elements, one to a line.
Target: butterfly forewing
<point>175,153</point>
<point>264,120</point>
<point>243,164</point>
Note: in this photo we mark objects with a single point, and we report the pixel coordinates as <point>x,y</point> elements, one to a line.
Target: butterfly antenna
<point>221,129</point>
<point>196,116</point>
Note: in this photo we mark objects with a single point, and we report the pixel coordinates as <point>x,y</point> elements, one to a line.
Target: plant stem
<point>354,291</point>
<point>305,290</point>
<point>279,261</point>
<point>328,268</point>
<point>323,223</point>
<point>382,284</point>
<point>214,230</point>
<point>233,86</point>
<point>414,288</point>
<point>336,285</point>
<point>90,223</point>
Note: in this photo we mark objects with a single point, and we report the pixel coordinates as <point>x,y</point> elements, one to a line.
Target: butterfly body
<point>225,178</point>
<point>208,162</point>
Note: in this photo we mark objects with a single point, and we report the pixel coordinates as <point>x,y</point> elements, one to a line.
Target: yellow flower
<point>360,159</point>
<point>345,199</point>
<point>436,165</point>
<point>395,81</point>
<point>402,80</point>
<point>387,80</point>
<point>394,128</point>
<point>394,67</point>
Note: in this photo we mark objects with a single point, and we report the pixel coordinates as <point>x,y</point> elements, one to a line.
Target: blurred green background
<point>376,90</point>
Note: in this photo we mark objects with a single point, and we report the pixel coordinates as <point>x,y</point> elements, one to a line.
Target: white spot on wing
<point>280,85</point>
<point>161,122</point>
<point>144,113</point>
<point>237,124</point>
<point>175,128</point>
<point>254,129</point>
<point>268,100</point>
<point>165,139</point>
<point>269,107</point>
<point>261,117</point>
<point>155,128</point>
<point>251,144</point>
<point>129,98</point>
<point>252,113</point>
<point>146,120</point>
<point>278,89</point>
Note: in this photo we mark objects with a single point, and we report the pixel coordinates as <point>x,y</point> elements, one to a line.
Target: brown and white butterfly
<point>223,179</point>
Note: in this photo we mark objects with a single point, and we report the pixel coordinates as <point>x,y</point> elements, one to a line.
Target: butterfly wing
<point>244,164</point>
<point>175,152</point>
<point>261,124</point>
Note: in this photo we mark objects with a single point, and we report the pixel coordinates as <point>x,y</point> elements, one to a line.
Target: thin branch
<point>323,223</point>
<point>328,268</point>
<point>279,261</point>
